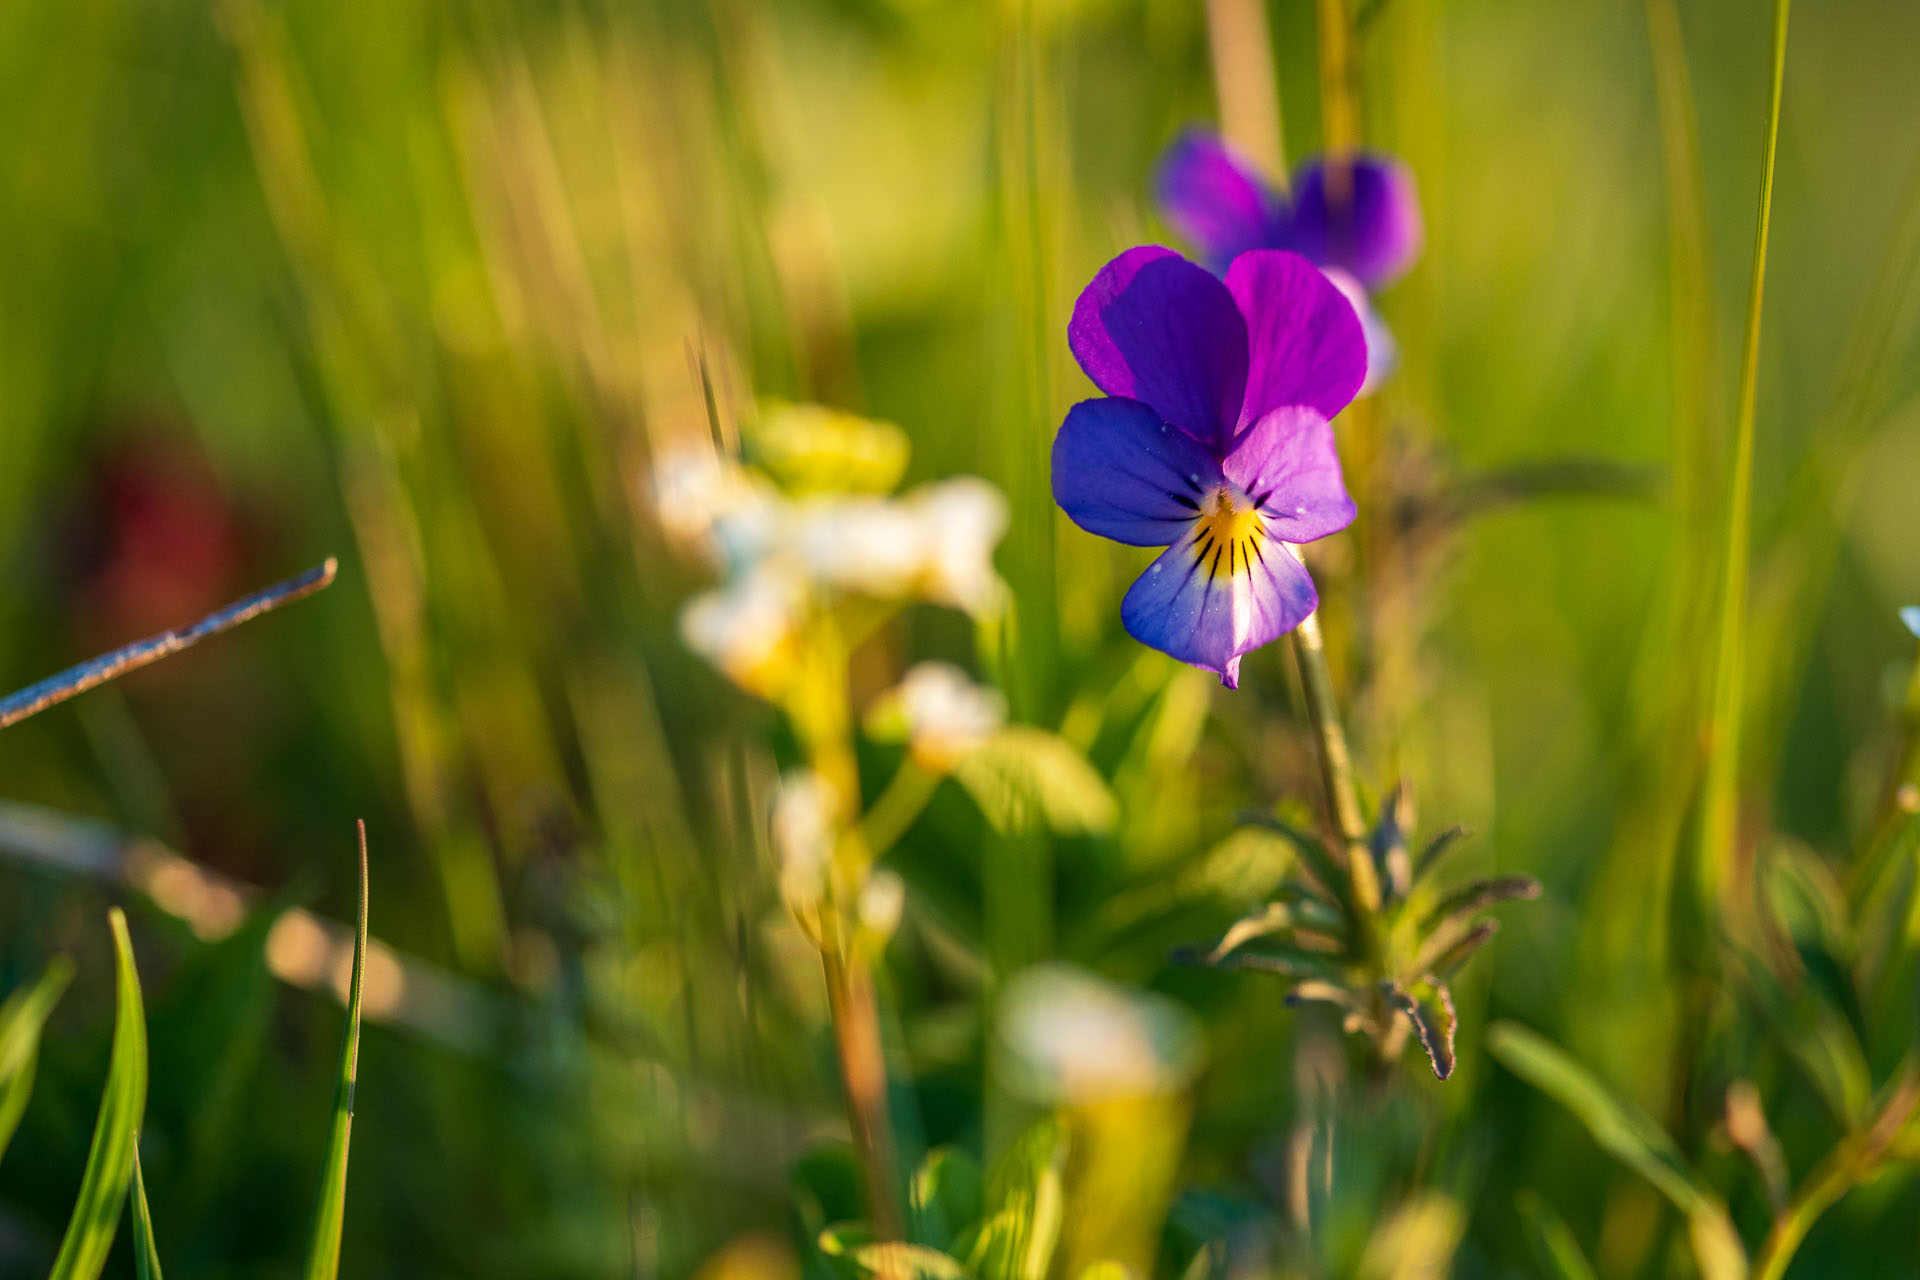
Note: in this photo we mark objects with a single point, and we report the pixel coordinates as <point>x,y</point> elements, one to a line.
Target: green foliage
<point>1023,778</point>
<point>1006,1228</point>
<point>22,1019</point>
<point>323,1256</point>
<point>146,1254</point>
<point>116,1132</point>
<point>1630,1136</point>
<point>436,288</point>
<point>1381,964</point>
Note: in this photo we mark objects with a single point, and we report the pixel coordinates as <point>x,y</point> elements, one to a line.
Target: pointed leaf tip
<point>323,1257</point>
<point>109,1170</point>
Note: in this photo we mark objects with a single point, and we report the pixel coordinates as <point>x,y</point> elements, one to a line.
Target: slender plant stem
<point>1339,122</point>
<point>1336,765</point>
<point>1244,82</point>
<point>74,681</point>
<point>863,1073</point>
<point>1848,1165</point>
<point>1720,804</point>
<point>819,707</point>
<point>903,800</point>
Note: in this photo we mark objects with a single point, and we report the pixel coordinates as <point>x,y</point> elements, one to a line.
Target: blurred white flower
<point>940,713</point>
<point>749,628</point>
<point>869,545</point>
<point>712,506</point>
<point>883,899</point>
<point>1911,616</point>
<point>962,520</point>
<point>802,831</point>
<point>1069,1038</point>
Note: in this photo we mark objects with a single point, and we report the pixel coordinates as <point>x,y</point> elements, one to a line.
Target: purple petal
<point>1120,472</point>
<point>1216,199</point>
<point>1156,328</point>
<point>1372,231</point>
<point>1206,604</point>
<point>1287,464</point>
<point>1306,344</point>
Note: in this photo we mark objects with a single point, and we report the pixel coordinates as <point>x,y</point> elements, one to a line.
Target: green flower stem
<point>1336,768</point>
<point>819,705</point>
<point>1855,1161</point>
<point>899,805</point>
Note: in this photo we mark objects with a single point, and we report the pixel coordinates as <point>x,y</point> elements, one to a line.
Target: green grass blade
<point>146,1258</point>
<point>1631,1136</point>
<point>1621,1129</point>
<point>21,1019</point>
<point>103,1187</point>
<point>323,1259</point>
<point>1720,802</point>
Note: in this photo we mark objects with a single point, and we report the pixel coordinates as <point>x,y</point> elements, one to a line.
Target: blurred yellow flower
<point>809,448</point>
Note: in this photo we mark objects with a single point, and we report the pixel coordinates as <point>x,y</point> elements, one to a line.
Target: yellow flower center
<point>1228,532</point>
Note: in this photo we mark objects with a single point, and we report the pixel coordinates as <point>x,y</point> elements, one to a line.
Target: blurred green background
<point>426,286</point>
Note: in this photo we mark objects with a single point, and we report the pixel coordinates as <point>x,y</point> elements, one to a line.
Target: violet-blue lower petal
<point>1156,328</point>
<point>1120,472</point>
<point>1373,230</point>
<point>1288,464</point>
<point>1305,344</point>
<point>1216,199</point>
<point>1200,607</point>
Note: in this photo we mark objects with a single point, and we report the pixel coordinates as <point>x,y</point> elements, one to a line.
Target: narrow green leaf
<point>945,1196</point>
<point>146,1257</point>
<point>1631,1136</point>
<point>1320,860</point>
<point>323,1258</point>
<point>1620,1128</point>
<point>1429,1006</point>
<point>1553,1241</point>
<point>103,1187</point>
<point>1720,800</point>
<point>1027,1209</point>
<point>22,1018</point>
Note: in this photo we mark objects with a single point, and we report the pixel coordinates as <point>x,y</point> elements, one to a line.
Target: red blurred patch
<point>169,543</point>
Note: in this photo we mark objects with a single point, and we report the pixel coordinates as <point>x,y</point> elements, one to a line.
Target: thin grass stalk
<point>1339,121</point>
<point>91,674</point>
<point>323,1254</point>
<point>1245,83</point>
<point>1721,801</point>
<point>146,1253</point>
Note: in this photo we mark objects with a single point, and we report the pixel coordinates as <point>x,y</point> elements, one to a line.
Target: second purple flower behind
<point>1214,441</point>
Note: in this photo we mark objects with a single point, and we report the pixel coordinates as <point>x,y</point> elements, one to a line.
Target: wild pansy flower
<point>1214,441</point>
<point>1364,237</point>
